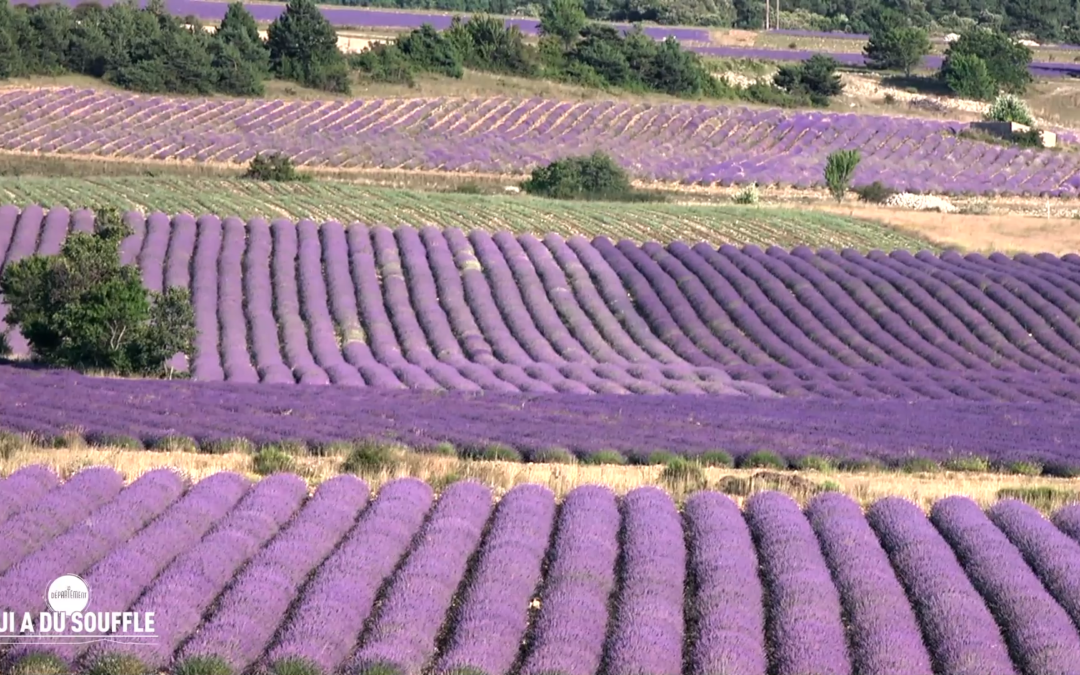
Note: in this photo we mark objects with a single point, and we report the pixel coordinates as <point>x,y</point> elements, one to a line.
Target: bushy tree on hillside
<point>83,309</point>
<point>1006,61</point>
<point>303,48</point>
<point>815,78</point>
<point>563,19</point>
<point>839,170</point>
<point>429,50</point>
<point>238,29</point>
<point>967,76</point>
<point>596,176</point>
<point>897,48</point>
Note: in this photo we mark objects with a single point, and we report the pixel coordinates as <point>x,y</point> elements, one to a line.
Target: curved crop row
<point>268,579</point>
<point>446,310</point>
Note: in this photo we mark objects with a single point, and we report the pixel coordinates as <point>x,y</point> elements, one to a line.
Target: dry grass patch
<point>441,470</point>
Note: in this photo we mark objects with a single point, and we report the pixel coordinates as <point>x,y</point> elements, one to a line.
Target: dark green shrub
<point>831,486</point>
<point>1045,498</point>
<point>369,457</point>
<point>554,455</point>
<point>763,459</point>
<point>874,193</point>
<point>272,459</point>
<point>659,457</point>
<point>897,47</point>
<point>1061,470</point>
<point>384,63</point>
<point>276,167</point>
<point>122,441</point>
<point>444,449</point>
<point>68,439</point>
<point>680,473</point>
<point>492,452</point>
<point>815,78</point>
<point>303,48</point>
<point>968,76</point>
<point>202,665</point>
<point>814,463</point>
<point>861,465</point>
<point>604,457</point>
<point>175,443</point>
<point>40,664</point>
<point>919,465</point>
<point>716,458</point>
<point>1025,468</point>
<point>428,50</point>
<point>82,309</point>
<point>1004,62</point>
<point>969,463</point>
<point>290,446</point>
<point>224,446</point>
<point>295,666</point>
<point>596,176</point>
<point>117,664</point>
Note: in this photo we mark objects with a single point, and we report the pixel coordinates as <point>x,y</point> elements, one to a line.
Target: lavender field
<point>351,581</point>
<point>688,143</point>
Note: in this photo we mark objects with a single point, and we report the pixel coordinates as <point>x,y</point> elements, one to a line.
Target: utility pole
<point>768,3</point>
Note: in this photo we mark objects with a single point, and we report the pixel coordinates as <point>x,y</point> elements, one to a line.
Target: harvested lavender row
<point>184,590</point>
<point>88,541</point>
<point>960,632</point>
<point>24,488</point>
<point>727,608</point>
<point>325,624</point>
<point>58,510</point>
<point>120,578</point>
<point>883,632</point>
<point>1040,634</point>
<point>569,631</point>
<point>404,629</point>
<point>1049,552</point>
<point>805,622</point>
<point>647,631</point>
<point>494,611</point>
<point>250,611</point>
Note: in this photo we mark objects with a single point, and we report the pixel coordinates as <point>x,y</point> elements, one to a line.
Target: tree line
<point>151,51</point>
<point>1044,19</point>
<point>571,49</point>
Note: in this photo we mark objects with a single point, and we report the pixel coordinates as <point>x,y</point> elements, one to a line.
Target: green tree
<point>1009,108</point>
<point>815,78</point>
<point>564,19</point>
<point>839,169</point>
<point>897,48</point>
<point>967,76</point>
<point>238,29</point>
<point>303,48</point>
<point>596,176</point>
<point>1006,61</point>
<point>428,50</point>
<point>83,309</point>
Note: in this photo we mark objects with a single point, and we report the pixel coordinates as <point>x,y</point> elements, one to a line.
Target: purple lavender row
<point>403,317</point>
<point>30,529</point>
<point>883,632</point>
<point>313,302</point>
<point>154,249</point>
<point>476,344</point>
<point>955,316</point>
<point>72,552</point>
<point>53,231</point>
<point>384,343</point>
<point>342,299</point>
<point>569,630</point>
<point>187,587</point>
<point>234,339</point>
<point>805,622</point>
<point>204,299</point>
<point>130,246</point>
<point>249,612</point>
<point>1048,551</point>
<point>1054,303</point>
<point>727,620</point>
<point>323,627</point>
<point>647,629</point>
<point>1025,309</point>
<point>1067,520</point>
<point>1040,634</point>
<point>754,265</point>
<point>404,629</point>
<point>82,220</point>
<point>24,488</point>
<point>287,305</point>
<point>121,577</point>
<point>960,633</point>
<point>181,250</point>
<point>258,294</point>
<point>433,319</point>
<point>24,236</point>
<point>494,610</point>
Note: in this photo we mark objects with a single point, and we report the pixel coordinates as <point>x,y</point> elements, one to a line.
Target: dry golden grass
<point>921,488</point>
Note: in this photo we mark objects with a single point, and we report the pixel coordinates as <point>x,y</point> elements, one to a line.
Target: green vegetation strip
<point>347,202</point>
